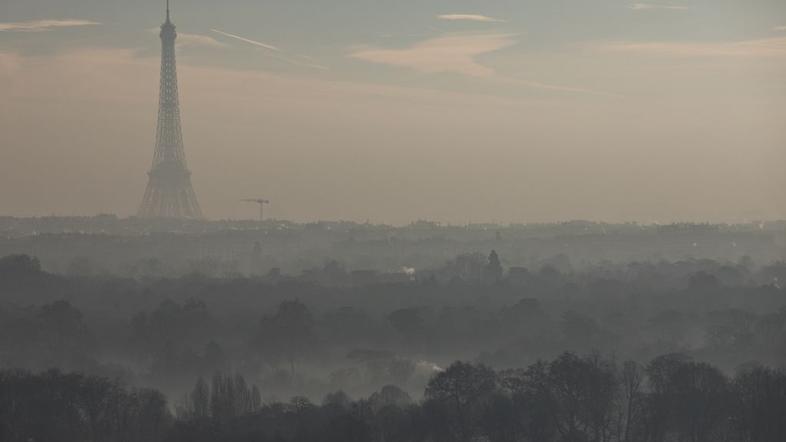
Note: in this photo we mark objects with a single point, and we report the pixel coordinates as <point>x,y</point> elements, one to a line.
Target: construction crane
<point>261,203</point>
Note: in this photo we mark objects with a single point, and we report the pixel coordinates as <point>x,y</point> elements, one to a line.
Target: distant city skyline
<point>454,111</point>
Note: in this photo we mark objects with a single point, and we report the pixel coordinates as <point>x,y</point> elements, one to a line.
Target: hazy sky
<point>391,111</point>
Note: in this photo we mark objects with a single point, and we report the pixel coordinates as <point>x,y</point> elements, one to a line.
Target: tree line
<point>571,398</point>
<point>303,338</point>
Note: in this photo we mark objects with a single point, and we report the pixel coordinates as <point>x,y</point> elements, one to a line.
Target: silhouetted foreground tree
<point>226,398</point>
<point>53,406</point>
<point>458,395</point>
<point>569,399</point>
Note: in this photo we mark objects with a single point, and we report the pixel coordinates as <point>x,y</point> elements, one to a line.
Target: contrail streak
<point>247,40</point>
<point>272,48</point>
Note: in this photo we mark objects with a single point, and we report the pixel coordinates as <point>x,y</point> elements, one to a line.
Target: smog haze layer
<point>459,111</point>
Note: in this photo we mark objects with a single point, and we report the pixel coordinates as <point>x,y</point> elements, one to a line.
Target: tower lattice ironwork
<point>169,192</point>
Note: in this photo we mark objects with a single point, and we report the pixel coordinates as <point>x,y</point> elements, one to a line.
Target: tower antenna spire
<point>167,10</point>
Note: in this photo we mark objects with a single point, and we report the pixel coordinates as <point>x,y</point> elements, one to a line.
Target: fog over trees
<point>117,330</point>
<point>392,221</point>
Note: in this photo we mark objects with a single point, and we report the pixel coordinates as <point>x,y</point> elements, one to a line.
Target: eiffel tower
<point>169,192</point>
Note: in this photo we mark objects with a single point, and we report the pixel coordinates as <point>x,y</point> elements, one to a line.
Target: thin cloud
<point>457,54</point>
<point>470,17</point>
<point>44,25</point>
<point>652,6</point>
<point>779,29</point>
<point>275,52</point>
<point>768,47</point>
<point>247,40</point>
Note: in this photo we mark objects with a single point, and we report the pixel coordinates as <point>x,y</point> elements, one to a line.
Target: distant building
<point>169,192</point>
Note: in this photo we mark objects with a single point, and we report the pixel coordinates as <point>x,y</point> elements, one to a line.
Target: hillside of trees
<point>570,398</point>
<point>654,350</point>
<point>296,337</point>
